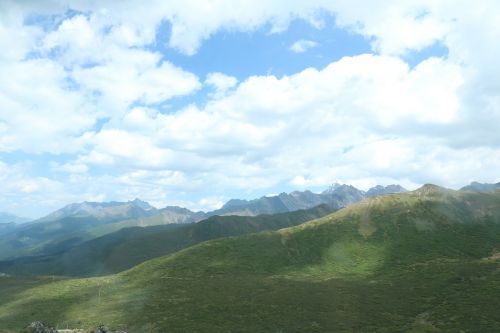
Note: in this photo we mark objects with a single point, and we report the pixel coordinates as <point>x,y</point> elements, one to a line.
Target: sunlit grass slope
<point>419,262</point>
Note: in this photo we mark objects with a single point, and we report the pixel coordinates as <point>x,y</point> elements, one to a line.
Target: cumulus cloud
<point>34,102</point>
<point>303,45</point>
<point>211,203</point>
<point>56,85</point>
<point>88,85</point>
<point>261,129</point>
<point>22,192</point>
<point>221,82</point>
<point>70,167</point>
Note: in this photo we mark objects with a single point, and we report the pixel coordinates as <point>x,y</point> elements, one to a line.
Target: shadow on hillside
<point>393,302</point>
<point>81,303</point>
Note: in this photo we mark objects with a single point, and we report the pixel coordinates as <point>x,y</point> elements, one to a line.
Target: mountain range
<point>420,261</point>
<point>119,211</point>
<point>336,196</point>
<point>79,222</point>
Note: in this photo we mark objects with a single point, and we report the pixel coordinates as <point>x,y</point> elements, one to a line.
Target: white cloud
<point>55,86</point>
<point>303,45</point>
<point>70,167</point>
<point>211,203</point>
<point>136,76</point>
<point>260,131</point>
<point>395,26</point>
<point>221,82</point>
<point>37,111</point>
<point>26,195</point>
<point>361,120</point>
<point>299,181</point>
<point>259,134</point>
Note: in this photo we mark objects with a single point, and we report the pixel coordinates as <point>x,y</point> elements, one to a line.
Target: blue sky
<point>183,105</point>
<point>243,54</point>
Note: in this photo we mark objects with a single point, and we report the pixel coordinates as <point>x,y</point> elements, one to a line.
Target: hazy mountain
<point>379,190</point>
<point>167,215</point>
<point>423,261</point>
<point>339,196</point>
<point>481,187</point>
<point>79,222</point>
<point>132,213</point>
<point>5,228</point>
<point>103,210</point>
<point>128,247</point>
<point>336,196</point>
<point>174,214</point>
<point>10,218</point>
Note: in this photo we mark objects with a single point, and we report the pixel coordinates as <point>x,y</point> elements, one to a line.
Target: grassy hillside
<point>128,247</point>
<point>425,261</point>
<point>49,237</point>
<point>80,222</point>
<point>39,237</point>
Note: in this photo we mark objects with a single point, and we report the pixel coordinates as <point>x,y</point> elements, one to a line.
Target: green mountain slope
<point>425,261</point>
<point>128,247</point>
<point>80,222</point>
<point>35,238</point>
<point>59,235</point>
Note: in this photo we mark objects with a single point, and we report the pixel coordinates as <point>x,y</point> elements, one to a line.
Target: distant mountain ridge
<point>103,210</point>
<point>481,187</point>
<point>336,196</point>
<point>80,222</point>
<point>380,190</point>
<point>11,218</point>
<point>119,211</point>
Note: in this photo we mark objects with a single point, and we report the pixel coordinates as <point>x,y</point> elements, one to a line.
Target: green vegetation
<point>128,247</point>
<point>425,261</point>
<point>53,236</point>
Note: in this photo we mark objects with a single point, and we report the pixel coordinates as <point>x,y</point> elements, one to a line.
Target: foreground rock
<point>39,327</point>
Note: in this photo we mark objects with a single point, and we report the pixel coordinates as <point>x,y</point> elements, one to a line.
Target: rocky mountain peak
<point>141,204</point>
<point>332,188</point>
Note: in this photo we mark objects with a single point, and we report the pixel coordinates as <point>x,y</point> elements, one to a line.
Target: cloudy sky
<point>188,102</point>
